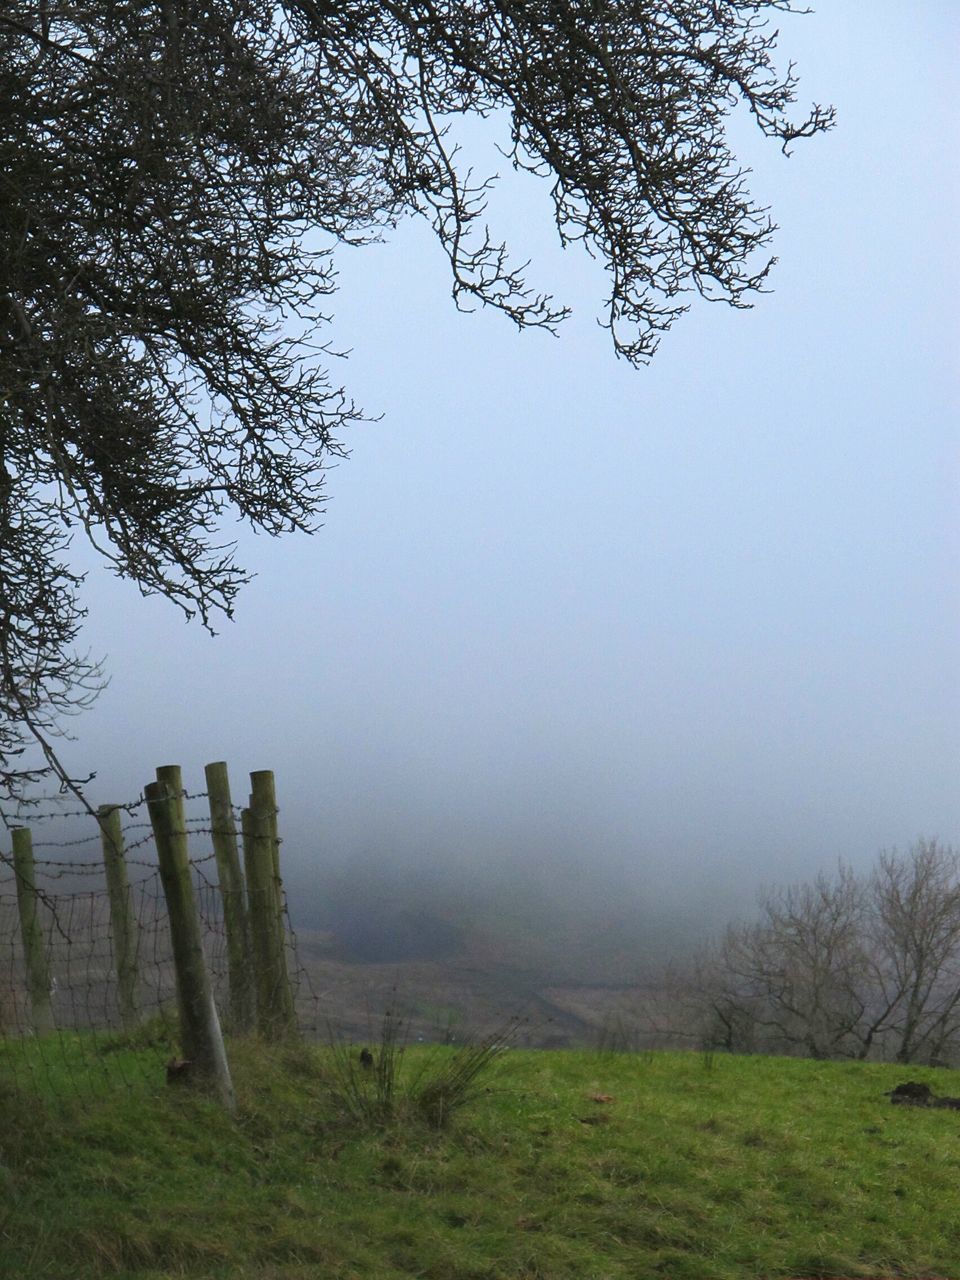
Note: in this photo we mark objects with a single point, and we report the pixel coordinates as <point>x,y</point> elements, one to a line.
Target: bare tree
<point>915,941</point>
<point>802,968</point>
<point>727,1009</point>
<point>174,180</point>
<point>846,966</point>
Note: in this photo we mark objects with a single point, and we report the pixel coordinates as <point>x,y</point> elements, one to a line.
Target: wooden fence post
<point>200,1035</point>
<point>260,945</point>
<point>31,932</point>
<point>235,919</point>
<point>276,1016</point>
<point>125,938</point>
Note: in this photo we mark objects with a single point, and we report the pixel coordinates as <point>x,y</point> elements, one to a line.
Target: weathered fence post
<point>31,932</point>
<point>124,925</point>
<point>200,1035</point>
<point>235,920</point>
<point>276,1016</point>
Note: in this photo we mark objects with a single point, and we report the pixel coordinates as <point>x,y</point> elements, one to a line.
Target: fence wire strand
<point>92,1046</point>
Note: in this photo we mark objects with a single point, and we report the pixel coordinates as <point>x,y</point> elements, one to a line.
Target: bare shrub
<point>844,966</point>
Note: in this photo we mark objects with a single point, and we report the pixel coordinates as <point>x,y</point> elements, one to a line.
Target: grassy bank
<point>688,1169</point>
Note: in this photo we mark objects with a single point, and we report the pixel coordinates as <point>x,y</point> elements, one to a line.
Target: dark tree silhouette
<point>175,177</point>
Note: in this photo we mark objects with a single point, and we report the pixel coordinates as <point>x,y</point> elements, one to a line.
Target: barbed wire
<point>26,810</point>
<point>93,1042</point>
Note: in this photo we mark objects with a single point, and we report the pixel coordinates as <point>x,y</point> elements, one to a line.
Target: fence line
<point>113,966</point>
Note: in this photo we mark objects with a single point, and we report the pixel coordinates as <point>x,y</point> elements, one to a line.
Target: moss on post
<point>31,932</point>
<point>276,1016</point>
<point>123,924</point>
<point>200,1035</point>
<point>235,918</point>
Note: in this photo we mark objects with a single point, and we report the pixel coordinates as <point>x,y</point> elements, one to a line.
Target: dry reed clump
<point>380,1086</point>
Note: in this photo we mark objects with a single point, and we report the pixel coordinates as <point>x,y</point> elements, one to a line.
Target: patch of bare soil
<point>914,1094</point>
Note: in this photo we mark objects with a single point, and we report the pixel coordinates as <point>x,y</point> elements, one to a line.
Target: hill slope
<point>574,1165</point>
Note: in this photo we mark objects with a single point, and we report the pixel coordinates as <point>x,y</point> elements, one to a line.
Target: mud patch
<point>914,1094</point>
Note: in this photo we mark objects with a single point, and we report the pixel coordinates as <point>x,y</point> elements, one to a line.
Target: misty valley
<point>862,967</point>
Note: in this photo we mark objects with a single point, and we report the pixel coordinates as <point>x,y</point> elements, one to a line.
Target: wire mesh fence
<point>89,996</point>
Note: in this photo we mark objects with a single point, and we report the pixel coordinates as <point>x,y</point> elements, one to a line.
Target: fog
<point>580,641</point>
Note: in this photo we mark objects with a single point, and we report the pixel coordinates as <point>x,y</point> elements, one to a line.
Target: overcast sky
<point>697,624</point>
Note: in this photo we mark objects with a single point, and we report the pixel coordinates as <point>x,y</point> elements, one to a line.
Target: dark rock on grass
<point>913,1094</point>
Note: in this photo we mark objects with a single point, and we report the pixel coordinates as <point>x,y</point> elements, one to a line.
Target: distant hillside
<point>570,920</point>
<point>463,960</point>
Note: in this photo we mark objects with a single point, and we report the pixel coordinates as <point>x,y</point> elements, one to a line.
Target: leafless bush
<point>915,942</point>
<point>846,966</point>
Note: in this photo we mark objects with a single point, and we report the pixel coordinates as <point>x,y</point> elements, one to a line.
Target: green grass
<point>749,1167</point>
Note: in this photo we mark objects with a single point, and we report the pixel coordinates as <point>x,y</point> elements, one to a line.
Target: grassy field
<point>689,1168</point>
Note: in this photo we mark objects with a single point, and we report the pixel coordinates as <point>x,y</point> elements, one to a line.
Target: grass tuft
<point>445,1084</point>
<point>378,1087</point>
